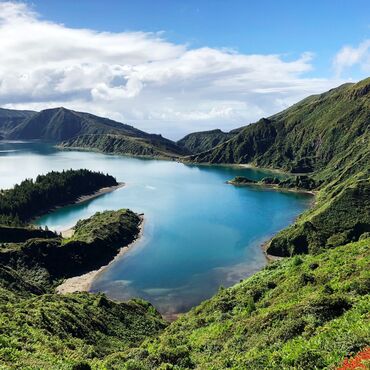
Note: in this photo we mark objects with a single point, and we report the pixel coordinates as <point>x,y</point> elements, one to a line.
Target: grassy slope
<point>59,124</point>
<point>341,215</point>
<point>50,331</point>
<point>198,142</point>
<point>10,118</point>
<point>304,312</point>
<point>111,227</point>
<point>39,329</point>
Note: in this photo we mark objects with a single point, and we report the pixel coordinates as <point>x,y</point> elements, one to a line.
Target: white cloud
<point>349,56</point>
<point>141,78</point>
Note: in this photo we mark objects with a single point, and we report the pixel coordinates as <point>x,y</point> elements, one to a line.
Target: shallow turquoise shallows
<point>199,232</point>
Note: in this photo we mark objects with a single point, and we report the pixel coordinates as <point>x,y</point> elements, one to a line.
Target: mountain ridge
<point>294,139</point>
<point>71,128</point>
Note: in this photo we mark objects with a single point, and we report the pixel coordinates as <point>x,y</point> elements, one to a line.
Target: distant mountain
<point>60,124</point>
<point>198,142</point>
<point>10,118</point>
<point>86,131</point>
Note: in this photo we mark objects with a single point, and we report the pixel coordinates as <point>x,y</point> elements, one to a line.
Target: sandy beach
<point>69,232</point>
<point>82,283</point>
<point>98,193</point>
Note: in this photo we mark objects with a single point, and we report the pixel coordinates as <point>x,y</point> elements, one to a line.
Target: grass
<point>58,332</point>
<point>106,226</point>
<point>306,312</point>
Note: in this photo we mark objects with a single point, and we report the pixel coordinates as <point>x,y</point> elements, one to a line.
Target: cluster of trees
<point>31,198</point>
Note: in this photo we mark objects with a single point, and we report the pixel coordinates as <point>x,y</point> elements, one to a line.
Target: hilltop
<point>202,141</point>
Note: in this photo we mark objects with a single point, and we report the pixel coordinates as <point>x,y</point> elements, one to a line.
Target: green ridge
<point>323,134</point>
<point>198,142</point>
<point>151,146</point>
<point>95,243</point>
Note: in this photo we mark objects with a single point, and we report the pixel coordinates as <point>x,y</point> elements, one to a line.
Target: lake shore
<point>81,199</point>
<point>82,283</point>
<point>98,193</point>
<point>269,257</point>
<point>274,187</point>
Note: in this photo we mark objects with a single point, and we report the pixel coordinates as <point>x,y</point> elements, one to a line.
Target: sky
<point>179,66</point>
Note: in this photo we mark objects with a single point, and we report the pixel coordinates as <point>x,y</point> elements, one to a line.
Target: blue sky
<point>177,66</point>
<point>285,27</point>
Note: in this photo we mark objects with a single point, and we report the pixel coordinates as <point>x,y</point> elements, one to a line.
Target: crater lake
<point>199,233</point>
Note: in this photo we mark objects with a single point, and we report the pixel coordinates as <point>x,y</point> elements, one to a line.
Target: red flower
<point>360,361</point>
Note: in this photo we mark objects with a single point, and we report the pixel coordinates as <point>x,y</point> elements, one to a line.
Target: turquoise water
<point>199,232</point>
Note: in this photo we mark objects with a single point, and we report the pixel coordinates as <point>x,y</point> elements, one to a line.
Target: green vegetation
<point>41,329</point>
<point>328,137</point>
<point>300,182</point>
<point>341,215</point>
<point>149,146</point>
<point>108,226</point>
<point>10,118</point>
<point>59,124</point>
<point>11,234</point>
<point>50,331</point>
<point>31,198</point>
<point>95,242</point>
<point>304,312</point>
<point>242,180</point>
<point>198,142</point>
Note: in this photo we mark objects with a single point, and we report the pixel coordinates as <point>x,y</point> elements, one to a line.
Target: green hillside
<point>198,142</point>
<point>150,146</point>
<point>97,240</point>
<point>31,198</point>
<point>43,330</point>
<point>59,124</point>
<point>341,215</point>
<point>50,331</point>
<point>326,131</point>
